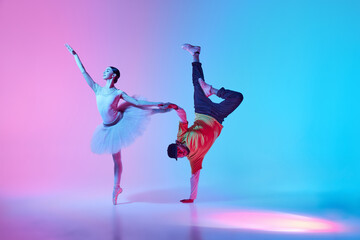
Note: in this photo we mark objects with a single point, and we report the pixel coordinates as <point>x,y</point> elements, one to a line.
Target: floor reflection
<point>67,217</point>
<point>269,221</point>
<point>195,230</point>
<point>116,225</point>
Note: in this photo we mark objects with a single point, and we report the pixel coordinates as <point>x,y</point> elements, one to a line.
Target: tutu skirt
<point>111,139</point>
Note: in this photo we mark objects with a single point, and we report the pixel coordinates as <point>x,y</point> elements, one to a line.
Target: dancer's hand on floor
<point>187,200</point>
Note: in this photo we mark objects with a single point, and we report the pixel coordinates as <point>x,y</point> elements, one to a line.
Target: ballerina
<point>121,123</point>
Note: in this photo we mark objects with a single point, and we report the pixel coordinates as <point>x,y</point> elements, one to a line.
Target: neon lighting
<point>269,221</point>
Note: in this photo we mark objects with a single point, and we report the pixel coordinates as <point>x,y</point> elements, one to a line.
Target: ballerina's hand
<point>163,105</point>
<point>168,106</point>
<point>70,49</point>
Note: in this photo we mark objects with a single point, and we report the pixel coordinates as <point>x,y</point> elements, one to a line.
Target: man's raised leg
<point>231,101</point>
<point>202,103</point>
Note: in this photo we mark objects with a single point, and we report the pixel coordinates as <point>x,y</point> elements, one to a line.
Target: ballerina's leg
<point>117,176</point>
<point>117,168</point>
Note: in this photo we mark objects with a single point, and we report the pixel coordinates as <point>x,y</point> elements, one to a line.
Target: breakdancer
<point>195,141</point>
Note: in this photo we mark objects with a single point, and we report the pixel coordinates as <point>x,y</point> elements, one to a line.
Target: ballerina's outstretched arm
<point>138,102</point>
<point>87,77</point>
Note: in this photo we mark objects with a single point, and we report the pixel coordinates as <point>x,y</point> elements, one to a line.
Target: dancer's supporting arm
<point>87,77</point>
<point>194,180</point>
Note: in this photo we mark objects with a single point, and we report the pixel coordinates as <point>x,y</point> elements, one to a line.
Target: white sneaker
<point>205,87</point>
<point>191,49</point>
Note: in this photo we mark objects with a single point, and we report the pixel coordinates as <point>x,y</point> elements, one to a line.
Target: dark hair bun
<point>117,73</point>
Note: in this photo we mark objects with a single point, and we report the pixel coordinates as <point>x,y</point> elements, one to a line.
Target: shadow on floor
<point>174,195</point>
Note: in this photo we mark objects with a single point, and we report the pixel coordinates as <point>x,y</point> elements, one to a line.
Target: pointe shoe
<point>191,49</point>
<point>205,87</point>
<point>116,192</point>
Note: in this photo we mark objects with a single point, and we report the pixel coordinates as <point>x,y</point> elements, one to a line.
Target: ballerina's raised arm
<point>87,77</point>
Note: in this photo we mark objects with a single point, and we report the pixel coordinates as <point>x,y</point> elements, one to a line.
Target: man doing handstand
<point>195,141</point>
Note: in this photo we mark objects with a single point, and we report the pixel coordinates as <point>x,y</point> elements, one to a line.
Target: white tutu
<point>113,138</point>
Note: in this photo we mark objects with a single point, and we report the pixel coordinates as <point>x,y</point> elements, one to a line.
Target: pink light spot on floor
<point>270,221</point>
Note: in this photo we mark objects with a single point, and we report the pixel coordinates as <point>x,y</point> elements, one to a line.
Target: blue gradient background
<point>296,63</point>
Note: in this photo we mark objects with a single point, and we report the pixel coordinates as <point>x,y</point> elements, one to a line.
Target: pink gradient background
<point>49,112</point>
<point>291,147</point>
<point>295,61</point>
